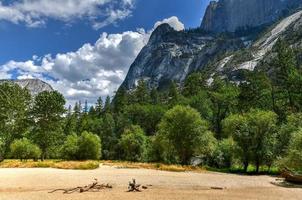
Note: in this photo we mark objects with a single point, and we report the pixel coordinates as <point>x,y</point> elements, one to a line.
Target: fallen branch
<point>133,187</point>
<point>94,187</point>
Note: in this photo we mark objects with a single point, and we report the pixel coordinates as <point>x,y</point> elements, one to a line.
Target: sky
<point>83,48</point>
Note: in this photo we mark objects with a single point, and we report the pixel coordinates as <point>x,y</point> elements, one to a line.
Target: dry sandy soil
<point>34,184</point>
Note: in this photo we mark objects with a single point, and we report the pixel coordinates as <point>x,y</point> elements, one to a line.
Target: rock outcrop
<point>35,86</point>
<point>231,15</point>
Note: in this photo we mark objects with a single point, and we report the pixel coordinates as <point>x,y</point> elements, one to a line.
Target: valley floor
<point>34,184</point>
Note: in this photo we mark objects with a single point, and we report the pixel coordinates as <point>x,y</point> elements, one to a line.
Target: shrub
<point>24,149</point>
<point>1,150</point>
<point>293,160</point>
<point>224,153</point>
<point>70,148</point>
<point>89,146</point>
<point>133,143</point>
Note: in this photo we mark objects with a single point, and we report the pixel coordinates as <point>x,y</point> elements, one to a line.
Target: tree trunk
<point>257,166</point>
<point>246,165</point>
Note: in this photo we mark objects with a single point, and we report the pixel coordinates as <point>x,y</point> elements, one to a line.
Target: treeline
<point>257,122</point>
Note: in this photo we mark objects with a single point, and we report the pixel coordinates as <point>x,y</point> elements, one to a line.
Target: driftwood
<point>133,187</point>
<point>94,187</point>
<point>291,177</point>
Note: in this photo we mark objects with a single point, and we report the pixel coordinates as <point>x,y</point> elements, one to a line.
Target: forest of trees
<point>257,122</point>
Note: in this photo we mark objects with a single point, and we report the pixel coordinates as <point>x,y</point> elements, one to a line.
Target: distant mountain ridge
<point>35,86</point>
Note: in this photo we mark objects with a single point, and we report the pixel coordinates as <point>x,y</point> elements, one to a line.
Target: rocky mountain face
<point>172,55</point>
<point>35,86</point>
<point>261,50</point>
<point>231,15</point>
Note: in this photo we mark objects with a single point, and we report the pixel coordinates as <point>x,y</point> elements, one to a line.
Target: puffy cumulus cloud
<point>35,13</point>
<point>173,22</point>
<point>93,70</point>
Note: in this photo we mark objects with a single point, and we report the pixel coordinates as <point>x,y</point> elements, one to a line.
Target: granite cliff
<point>231,15</point>
<point>172,55</point>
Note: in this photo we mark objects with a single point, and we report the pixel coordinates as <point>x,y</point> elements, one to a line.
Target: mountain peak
<point>35,86</point>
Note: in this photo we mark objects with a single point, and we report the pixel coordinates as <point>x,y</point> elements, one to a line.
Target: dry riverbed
<point>34,184</point>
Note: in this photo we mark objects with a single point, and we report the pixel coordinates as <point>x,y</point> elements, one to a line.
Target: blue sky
<point>54,39</point>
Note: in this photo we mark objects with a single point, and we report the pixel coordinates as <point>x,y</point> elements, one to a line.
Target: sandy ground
<point>34,184</point>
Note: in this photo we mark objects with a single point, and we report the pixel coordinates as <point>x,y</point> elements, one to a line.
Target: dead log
<point>94,187</point>
<point>133,187</point>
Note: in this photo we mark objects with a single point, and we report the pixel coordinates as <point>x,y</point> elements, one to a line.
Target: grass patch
<point>155,166</point>
<point>250,171</point>
<point>79,165</point>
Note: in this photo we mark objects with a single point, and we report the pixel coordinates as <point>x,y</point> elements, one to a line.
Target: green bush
<point>89,146</point>
<point>1,150</point>
<point>293,160</point>
<point>24,149</point>
<point>133,143</point>
<point>224,153</point>
<point>70,148</point>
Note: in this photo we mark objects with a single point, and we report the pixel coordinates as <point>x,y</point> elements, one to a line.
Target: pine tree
<point>120,100</point>
<point>99,107</point>
<point>86,107</point>
<point>286,80</point>
<point>154,96</point>
<point>141,93</point>
<point>107,107</point>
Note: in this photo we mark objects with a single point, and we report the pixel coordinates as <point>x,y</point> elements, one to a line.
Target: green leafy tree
<point>89,146</point>
<point>2,147</point>
<point>223,96</point>
<point>293,124</point>
<point>70,148</point>
<point>14,113</point>
<point>202,103</point>
<point>224,153</point>
<point>133,143</point>
<point>255,93</point>
<point>108,136</point>
<point>47,113</point>
<point>194,83</point>
<point>84,147</point>
<point>146,116</point>
<point>287,81</point>
<point>293,159</point>
<point>255,135</point>
<point>183,128</point>
<point>24,149</point>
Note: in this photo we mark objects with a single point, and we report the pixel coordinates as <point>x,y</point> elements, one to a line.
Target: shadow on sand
<point>282,183</point>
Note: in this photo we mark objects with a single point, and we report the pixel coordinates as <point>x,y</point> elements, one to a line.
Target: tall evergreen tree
<point>107,107</point>
<point>47,113</point>
<point>99,107</point>
<point>141,93</point>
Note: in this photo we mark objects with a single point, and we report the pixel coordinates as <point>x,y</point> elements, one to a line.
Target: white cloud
<point>93,70</point>
<point>35,13</point>
<point>173,22</point>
